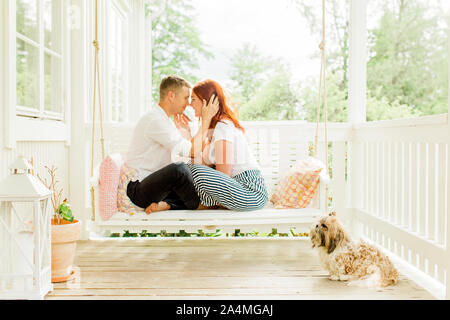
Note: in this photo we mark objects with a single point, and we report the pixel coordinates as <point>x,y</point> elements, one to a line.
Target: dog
<point>358,262</point>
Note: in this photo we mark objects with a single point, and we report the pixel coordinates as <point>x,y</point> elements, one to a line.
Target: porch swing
<point>264,220</point>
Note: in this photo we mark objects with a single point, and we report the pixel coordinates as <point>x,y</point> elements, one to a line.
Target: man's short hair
<point>171,83</point>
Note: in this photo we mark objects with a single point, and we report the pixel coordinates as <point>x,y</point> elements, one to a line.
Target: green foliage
<point>263,87</point>
<point>200,233</point>
<point>275,101</point>
<point>250,70</point>
<point>336,100</point>
<point>176,43</point>
<point>408,64</point>
<point>65,211</point>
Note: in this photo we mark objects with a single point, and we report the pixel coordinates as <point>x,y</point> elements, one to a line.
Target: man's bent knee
<point>181,169</point>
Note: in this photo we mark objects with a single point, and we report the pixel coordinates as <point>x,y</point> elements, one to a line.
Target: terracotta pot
<point>64,244</point>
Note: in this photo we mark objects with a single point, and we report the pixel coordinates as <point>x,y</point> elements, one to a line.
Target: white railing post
<point>447,247</point>
<point>79,100</point>
<point>357,99</point>
<point>447,231</point>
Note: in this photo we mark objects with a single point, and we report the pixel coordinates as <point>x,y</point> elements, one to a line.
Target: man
<point>156,141</point>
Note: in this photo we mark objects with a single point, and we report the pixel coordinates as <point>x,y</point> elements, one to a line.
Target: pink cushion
<point>108,185</point>
<point>298,186</point>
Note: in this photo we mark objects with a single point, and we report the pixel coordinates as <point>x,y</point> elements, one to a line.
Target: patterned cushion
<point>298,186</point>
<point>124,203</point>
<point>108,184</point>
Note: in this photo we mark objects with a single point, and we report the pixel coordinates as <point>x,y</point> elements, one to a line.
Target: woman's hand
<point>210,110</point>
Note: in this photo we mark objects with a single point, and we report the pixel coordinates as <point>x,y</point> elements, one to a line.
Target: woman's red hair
<point>204,90</point>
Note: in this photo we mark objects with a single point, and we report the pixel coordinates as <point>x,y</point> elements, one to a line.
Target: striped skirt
<point>244,192</point>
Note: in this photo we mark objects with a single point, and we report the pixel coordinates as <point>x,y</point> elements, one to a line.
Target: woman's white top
<point>243,158</point>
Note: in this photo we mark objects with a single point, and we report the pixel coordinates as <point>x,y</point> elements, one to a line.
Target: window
<point>118,60</point>
<point>39,58</point>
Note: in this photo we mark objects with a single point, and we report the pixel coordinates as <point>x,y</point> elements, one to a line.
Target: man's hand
<point>182,123</point>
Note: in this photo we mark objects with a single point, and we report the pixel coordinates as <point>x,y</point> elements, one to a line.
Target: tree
<point>336,100</point>
<point>337,32</point>
<point>276,100</point>
<point>249,70</point>
<point>408,60</point>
<point>407,67</point>
<point>377,108</point>
<point>176,43</point>
<point>263,88</point>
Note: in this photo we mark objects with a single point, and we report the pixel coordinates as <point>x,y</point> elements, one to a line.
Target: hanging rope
<point>322,90</point>
<point>97,85</point>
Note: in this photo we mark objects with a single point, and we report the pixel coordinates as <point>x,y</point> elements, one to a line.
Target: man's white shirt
<point>156,142</point>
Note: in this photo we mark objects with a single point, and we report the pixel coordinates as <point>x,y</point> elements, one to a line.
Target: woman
<point>229,176</point>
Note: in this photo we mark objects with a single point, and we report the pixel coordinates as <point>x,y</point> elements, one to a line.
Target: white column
<point>148,62</point>
<point>8,39</point>
<point>2,80</point>
<point>137,57</point>
<point>357,62</point>
<point>80,81</point>
<point>447,282</point>
<point>357,101</point>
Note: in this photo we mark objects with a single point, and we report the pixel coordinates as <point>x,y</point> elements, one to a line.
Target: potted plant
<point>65,232</point>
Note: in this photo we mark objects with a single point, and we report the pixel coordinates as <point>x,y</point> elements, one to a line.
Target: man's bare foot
<point>155,207</point>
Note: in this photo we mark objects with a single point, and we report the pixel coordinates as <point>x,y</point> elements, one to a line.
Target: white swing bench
<point>276,145</point>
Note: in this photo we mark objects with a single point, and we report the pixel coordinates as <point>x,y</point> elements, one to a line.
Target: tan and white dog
<point>360,263</point>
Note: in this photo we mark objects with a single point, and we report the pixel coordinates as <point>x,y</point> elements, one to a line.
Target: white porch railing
<point>389,179</point>
<point>400,192</point>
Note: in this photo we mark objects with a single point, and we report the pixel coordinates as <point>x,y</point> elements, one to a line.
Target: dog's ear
<point>333,214</point>
<point>334,242</point>
<point>340,236</point>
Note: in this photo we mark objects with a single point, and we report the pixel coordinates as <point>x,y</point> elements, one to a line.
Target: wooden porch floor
<point>211,269</point>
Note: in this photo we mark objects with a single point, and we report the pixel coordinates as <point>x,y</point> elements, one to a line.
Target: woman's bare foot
<point>155,207</point>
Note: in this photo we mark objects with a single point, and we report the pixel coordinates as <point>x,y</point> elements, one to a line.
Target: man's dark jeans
<point>172,184</point>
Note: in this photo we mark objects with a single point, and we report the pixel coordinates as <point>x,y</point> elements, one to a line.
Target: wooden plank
<point>338,182</point>
<point>422,192</point>
<point>366,173</point>
<point>396,183</point>
<point>414,174</point>
<point>221,269</point>
<point>401,196</point>
<point>372,177</point>
<point>407,186</point>
<point>442,195</point>
<point>379,181</point>
<point>386,179</point>
<point>432,190</point>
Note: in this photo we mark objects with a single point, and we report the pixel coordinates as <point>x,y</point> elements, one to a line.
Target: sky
<point>275,27</point>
